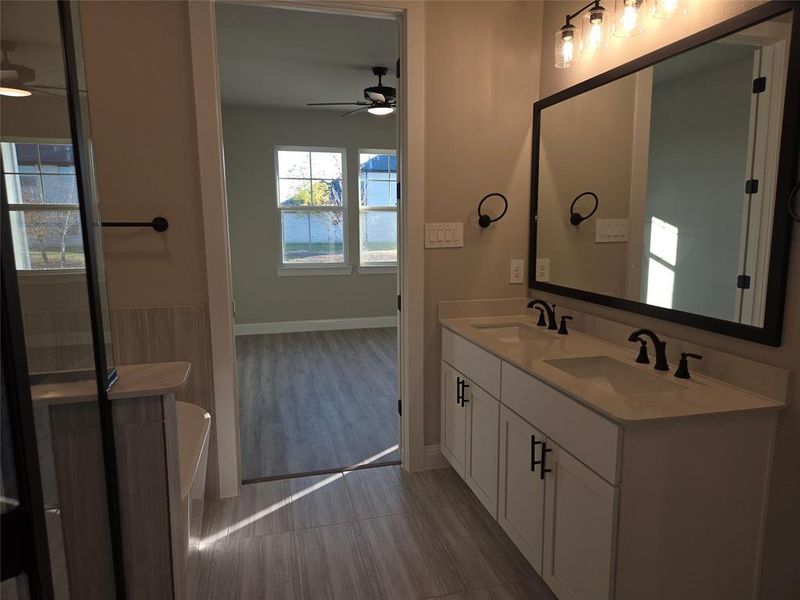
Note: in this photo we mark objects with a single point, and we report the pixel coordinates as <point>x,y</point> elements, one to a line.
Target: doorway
<point>314,213</point>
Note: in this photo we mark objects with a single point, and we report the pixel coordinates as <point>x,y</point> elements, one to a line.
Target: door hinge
<point>398,190</point>
<point>397,68</point>
<point>751,186</point>
<point>759,84</point>
<point>399,407</point>
<point>398,302</point>
<point>743,282</point>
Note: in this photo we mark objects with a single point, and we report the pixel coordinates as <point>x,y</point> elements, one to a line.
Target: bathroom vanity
<point>154,481</point>
<point>613,479</point>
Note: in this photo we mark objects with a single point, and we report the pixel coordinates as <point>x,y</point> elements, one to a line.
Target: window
<point>661,264</point>
<point>377,195</point>
<point>311,205</point>
<point>42,191</point>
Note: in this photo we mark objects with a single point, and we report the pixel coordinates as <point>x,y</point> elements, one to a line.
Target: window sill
<point>377,269</point>
<point>313,271</point>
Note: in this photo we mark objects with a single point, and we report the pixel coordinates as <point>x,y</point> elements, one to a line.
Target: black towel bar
<point>160,224</point>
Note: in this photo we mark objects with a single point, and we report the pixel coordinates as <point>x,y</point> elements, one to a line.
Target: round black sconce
<point>575,217</point>
<point>485,220</point>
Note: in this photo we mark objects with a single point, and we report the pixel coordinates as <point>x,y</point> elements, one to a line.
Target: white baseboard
<point>434,459</point>
<point>315,325</point>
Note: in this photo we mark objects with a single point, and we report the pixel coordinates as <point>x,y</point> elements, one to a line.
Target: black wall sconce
<point>485,220</point>
<point>575,217</point>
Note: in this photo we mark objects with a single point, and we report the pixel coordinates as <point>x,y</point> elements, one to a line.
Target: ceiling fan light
<point>14,92</point>
<point>380,111</point>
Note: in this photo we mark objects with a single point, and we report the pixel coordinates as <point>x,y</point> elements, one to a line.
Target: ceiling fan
<point>379,99</point>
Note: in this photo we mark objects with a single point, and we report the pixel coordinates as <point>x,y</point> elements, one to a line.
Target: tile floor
<point>372,534</point>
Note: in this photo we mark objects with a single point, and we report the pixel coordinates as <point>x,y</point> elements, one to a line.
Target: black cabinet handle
<point>534,462</point>
<point>459,390</point>
<point>544,469</point>
<point>464,386</point>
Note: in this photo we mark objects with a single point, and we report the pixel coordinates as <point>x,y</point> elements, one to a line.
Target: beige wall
<point>139,73</point>
<point>485,55</point>
<point>780,576</point>
<point>250,136</point>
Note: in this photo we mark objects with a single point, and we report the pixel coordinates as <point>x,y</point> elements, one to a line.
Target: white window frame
<point>30,275</point>
<point>376,267</point>
<point>295,269</point>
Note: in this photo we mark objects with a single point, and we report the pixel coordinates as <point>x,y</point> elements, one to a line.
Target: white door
<point>520,508</point>
<point>483,422</point>
<point>579,526</point>
<point>454,419</point>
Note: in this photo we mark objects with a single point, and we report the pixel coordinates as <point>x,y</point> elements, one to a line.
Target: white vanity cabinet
<point>602,508</point>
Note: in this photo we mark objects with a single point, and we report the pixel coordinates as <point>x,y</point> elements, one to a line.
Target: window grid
<point>389,177</point>
<point>323,259</point>
<point>28,231</point>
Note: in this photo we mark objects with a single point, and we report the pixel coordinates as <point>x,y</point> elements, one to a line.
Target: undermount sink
<point>514,332</point>
<point>612,375</point>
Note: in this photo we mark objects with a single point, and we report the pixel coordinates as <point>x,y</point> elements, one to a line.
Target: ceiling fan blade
<point>336,103</point>
<point>376,97</point>
<point>356,110</point>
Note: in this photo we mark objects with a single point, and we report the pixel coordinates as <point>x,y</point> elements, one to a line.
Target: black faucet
<point>660,347</point>
<point>550,310</point>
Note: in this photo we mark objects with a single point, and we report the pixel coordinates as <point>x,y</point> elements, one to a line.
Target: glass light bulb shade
<point>380,111</point>
<point>628,19</point>
<point>567,43</point>
<point>14,92</point>
<point>594,36</point>
<point>666,9</point>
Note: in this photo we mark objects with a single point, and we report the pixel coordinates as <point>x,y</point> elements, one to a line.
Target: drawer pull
<point>544,468</point>
<point>464,386</point>
<point>459,390</point>
<point>534,462</point>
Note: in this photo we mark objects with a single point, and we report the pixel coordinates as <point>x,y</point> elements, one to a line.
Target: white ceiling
<point>286,58</point>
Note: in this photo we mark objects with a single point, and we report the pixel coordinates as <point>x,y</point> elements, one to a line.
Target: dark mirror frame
<point>771,331</point>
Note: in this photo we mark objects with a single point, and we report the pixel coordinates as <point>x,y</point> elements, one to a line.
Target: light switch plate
<point>517,274</point>
<point>444,235</point>
<point>611,230</point>
<point>542,269</point>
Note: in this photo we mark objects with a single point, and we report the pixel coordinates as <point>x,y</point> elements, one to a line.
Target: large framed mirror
<point>663,187</point>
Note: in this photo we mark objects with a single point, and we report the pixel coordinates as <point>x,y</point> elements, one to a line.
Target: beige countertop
<point>133,381</point>
<point>700,395</point>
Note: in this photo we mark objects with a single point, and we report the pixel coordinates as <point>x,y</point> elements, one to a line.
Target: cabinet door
<point>483,422</point>
<point>520,509</point>
<point>454,419</point>
<point>579,529</point>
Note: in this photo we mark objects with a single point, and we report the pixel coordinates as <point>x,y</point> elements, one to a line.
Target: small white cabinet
<point>579,525</point>
<point>483,419</point>
<point>454,419</point>
<point>520,507</point>
<point>470,429</point>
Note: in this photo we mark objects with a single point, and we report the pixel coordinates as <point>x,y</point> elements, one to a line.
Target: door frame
<point>411,153</point>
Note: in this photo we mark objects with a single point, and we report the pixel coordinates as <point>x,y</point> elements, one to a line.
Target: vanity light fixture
<point>594,36</point>
<point>565,45</point>
<point>666,9</point>
<point>628,20</point>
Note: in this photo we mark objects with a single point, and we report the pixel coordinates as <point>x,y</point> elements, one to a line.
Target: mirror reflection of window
<point>42,193</point>
<point>661,263</point>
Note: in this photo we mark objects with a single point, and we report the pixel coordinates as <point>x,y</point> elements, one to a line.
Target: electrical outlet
<point>542,269</point>
<point>517,270</point>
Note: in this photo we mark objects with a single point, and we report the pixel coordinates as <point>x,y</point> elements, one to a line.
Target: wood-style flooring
<point>371,534</point>
<point>316,401</point>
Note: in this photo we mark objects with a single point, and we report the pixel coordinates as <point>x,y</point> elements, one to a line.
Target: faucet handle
<point>563,329</point>
<point>643,358</point>
<point>682,371</point>
<point>541,322</point>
